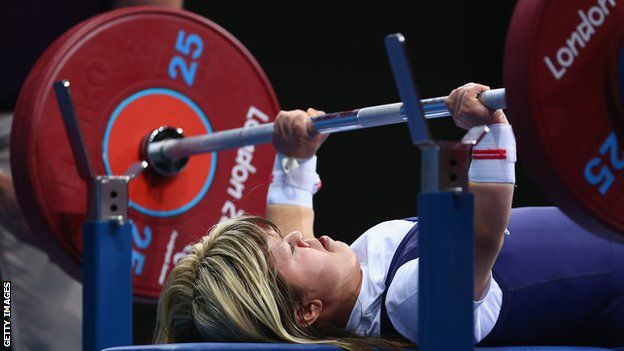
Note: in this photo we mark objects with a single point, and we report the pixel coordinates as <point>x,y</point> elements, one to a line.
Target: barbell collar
<point>165,166</point>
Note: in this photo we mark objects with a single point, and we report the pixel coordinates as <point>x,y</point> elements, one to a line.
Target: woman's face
<point>315,268</point>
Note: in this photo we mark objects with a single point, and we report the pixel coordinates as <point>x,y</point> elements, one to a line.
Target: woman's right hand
<point>294,136</point>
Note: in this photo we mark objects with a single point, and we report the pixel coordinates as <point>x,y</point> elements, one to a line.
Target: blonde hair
<point>229,290</point>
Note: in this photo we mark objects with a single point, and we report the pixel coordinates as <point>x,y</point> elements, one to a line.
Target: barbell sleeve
<point>172,149</point>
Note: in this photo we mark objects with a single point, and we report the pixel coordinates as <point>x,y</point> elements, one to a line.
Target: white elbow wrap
<point>493,159</point>
<point>293,182</point>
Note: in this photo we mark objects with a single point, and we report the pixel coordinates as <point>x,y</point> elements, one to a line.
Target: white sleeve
<point>402,304</point>
<point>487,310</point>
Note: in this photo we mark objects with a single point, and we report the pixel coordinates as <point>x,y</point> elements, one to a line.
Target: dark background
<point>332,58</point>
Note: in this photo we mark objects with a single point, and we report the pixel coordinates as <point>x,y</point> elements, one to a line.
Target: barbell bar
<point>161,155</point>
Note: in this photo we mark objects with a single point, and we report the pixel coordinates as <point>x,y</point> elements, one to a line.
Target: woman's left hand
<point>467,111</point>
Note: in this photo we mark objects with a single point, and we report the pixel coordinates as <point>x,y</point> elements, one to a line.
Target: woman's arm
<point>492,207</point>
<point>291,218</point>
<point>289,203</point>
<point>491,178</point>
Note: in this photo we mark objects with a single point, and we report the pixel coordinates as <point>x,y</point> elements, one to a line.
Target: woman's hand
<point>294,136</point>
<point>468,111</point>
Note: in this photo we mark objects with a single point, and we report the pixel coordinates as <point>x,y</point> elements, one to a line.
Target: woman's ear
<point>308,312</point>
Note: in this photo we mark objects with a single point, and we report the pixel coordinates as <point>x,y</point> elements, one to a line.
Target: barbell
<point>167,156</point>
<point>174,87</point>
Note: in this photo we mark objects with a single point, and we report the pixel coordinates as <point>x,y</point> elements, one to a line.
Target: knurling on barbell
<point>560,62</point>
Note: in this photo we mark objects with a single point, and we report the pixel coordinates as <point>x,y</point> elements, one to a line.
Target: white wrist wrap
<point>493,159</point>
<point>294,181</point>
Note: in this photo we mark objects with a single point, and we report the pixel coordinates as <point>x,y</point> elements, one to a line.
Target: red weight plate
<point>132,71</point>
<point>558,74</point>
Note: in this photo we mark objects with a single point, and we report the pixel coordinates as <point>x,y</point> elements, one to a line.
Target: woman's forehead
<point>273,238</point>
<point>272,233</point>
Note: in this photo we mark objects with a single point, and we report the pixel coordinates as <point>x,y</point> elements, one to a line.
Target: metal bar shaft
<point>329,123</point>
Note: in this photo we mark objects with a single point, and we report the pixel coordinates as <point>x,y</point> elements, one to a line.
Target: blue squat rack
<point>107,244</point>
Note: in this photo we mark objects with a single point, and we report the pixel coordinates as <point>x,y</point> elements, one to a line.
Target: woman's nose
<point>296,238</point>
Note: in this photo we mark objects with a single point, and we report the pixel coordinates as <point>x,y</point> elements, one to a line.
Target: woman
<point>217,294</point>
<point>248,282</point>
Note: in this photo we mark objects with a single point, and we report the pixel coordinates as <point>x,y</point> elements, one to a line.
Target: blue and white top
<point>375,250</point>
